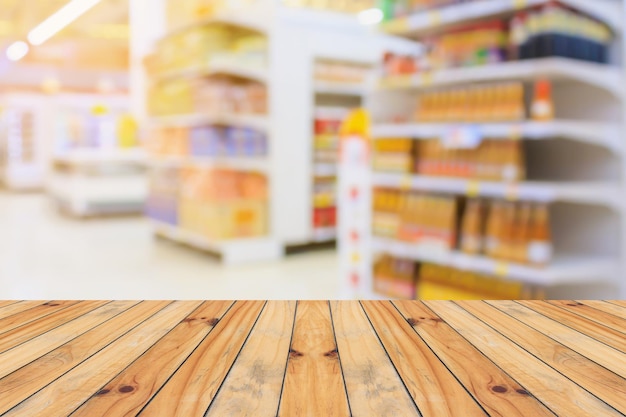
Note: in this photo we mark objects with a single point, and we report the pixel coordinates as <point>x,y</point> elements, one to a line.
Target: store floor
<point>44,255</point>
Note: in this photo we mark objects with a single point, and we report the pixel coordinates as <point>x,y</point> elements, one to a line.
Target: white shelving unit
<point>232,252</point>
<point>23,141</point>
<point>606,134</point>
<point>579,162</point>
<point>89,182</point>
<point>296,38</point>
<point>438,20</point>
<point>557,69</point>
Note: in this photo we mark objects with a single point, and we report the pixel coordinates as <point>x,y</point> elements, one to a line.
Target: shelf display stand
<point>484,205</point>
<point>263,141</point>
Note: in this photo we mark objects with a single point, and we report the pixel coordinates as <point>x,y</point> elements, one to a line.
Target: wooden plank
<point>31,378</point>
<point>314,383</point>
<point>14,307</point>
<point>598,380</point>
<point>606,307</point>
<point>191,389</point>
<point>554,390</point>
<point>373,385</point>
<point>35,328</point>
<point>491,386</point>
<point>4,303</point>
<point>15,358</point>
<point>428,380</point>
<point>579,342</point>
<point>602,333</point>
<point>73,388</point>
<point>621,303</point>
<point>254,384</point>
<point>32,314</point>
<point>590,313</point>
<point>131,390</point>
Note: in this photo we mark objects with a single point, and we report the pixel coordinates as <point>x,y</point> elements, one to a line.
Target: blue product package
<point>205,141</point>
<point>233,139</point>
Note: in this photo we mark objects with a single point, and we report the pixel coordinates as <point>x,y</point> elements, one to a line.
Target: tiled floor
<point>44,255</point>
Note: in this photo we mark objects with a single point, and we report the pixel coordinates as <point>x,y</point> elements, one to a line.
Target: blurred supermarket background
<point>312,149</point>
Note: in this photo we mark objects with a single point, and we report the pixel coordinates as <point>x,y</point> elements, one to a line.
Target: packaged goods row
<point>515,232</point>
<point>208,141</point>
<point>549,31</point>
<point>341,72</point>
<point>216,204</point>
<point>18,136</point>
<point>215,95</point>
<point>207,46</point>
<point>497,160</point>
<point>406,279</point>
<point>326,134</point>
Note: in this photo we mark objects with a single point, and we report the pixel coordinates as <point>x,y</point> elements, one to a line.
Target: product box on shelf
<point>223,204</point>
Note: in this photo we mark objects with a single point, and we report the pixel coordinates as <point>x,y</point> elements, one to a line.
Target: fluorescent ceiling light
<point>59,20</point>
<point>17,50</point>
<point>370,16</point>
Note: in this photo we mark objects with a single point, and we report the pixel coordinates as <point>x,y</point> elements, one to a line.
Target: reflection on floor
<point>44,255</point>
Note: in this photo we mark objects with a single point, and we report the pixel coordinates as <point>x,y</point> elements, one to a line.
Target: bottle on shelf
<point>543,106</point>
<point>540,246</point>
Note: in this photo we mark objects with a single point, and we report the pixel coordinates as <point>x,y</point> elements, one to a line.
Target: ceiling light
<point>17,50</point>
<point>59,20</point>
<point>370,16</point>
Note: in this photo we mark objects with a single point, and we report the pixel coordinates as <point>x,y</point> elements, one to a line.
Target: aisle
<point>46,256</point>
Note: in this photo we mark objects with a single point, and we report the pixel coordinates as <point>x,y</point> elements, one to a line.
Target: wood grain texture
<point>14,307</point>
<point>374,388</point>
<point>32,314</point>
<point>549,386</point>
<point>313,367</point>
<point>598,380</point>
<point>4,303</point>
<point>34,328</point>
<point>587,346</point>
<point>492,387</point>
<point>31,378</point>
<point>621,303</point>
<point>606,307</point>
<point>76,386</point>
<point>192,388</point>
<point>15,358</point>
<point>253,385</point>
<point>598,331</point>
<point>609,320</point>
<point>425,376</point>
<point>283,359</point>
<point>131,390</point>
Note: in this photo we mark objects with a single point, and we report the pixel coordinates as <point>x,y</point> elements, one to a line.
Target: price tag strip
<point>462,137</point>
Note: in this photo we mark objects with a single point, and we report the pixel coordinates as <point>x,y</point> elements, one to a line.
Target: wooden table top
<point>312,358</point>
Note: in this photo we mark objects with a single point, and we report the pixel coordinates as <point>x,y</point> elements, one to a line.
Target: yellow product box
<point>187,214</point>
<point>429,290</point>
<point>245,219</point>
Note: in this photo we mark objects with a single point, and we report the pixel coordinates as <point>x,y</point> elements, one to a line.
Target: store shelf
<point>563,270</point>
<point>339,89</point>
<point>324,170</point>
<point>84,195</point>
<point>258,122</point>
<point>252,21</point>
<point>242,163</point>
<point>234,251</point>
<point>599,75</point>
<point>573,192</point>
<point>438,20</point>
<point>100,156</point>
<point>324,234</point>
<point>234,69</point>
<point>596,133</point>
